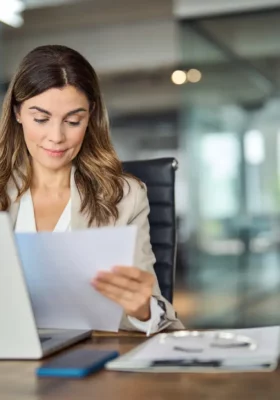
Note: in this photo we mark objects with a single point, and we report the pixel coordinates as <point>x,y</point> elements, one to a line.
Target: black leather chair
<point>159,176</point>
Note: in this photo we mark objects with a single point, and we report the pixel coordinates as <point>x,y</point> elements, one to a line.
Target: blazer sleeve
<point>144,259</point>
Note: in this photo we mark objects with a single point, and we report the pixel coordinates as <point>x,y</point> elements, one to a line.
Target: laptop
<point>19,336</point>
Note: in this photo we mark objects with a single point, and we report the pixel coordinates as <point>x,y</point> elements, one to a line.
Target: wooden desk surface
<point>18,382</point>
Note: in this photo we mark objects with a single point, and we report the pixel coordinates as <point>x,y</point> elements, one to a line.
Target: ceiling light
<point>10,13</point>
<point>179,77</point>
<point>194,75</point>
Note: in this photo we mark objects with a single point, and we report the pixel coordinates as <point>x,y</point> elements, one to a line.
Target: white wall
<point>109,48</point>
<point>196,8</point>
<point>124,43</point>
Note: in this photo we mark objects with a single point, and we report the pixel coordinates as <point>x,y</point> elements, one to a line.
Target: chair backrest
<point>159,176</point>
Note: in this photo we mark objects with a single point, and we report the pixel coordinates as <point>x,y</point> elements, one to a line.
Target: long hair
<point>98,175</point>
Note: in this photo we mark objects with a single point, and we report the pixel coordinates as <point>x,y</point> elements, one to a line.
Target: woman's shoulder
<point>134,198</point>
<point>132,186</point>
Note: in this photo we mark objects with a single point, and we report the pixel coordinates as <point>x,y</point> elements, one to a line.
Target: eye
<point>72,123</point>
<point>40,121</point>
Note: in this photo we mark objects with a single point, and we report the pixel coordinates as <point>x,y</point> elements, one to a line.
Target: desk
<point>18,382</point>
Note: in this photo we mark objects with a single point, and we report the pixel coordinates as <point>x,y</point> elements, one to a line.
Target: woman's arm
<point>136,289</point>
<point>162,313</point>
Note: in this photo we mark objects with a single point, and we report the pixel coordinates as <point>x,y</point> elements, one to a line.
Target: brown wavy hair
<point>99,175</point>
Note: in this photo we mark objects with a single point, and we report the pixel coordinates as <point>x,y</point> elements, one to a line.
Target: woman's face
<point>54,125</point>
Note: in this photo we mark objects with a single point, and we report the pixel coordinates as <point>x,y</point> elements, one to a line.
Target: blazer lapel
<point>13,211</point>
<point>14,207</point>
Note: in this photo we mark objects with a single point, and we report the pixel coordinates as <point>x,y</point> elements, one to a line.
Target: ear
<point>17,114</point>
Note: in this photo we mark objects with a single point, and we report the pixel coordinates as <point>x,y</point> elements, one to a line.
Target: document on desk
<point>58,268</point>
<point>240,350</point>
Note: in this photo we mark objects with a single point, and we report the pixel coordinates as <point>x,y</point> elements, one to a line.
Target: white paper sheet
<point>166,346</point>
<point>58,268</point>
<point>171,347</point>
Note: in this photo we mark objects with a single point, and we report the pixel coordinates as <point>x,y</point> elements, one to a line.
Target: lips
<point>54,153</point>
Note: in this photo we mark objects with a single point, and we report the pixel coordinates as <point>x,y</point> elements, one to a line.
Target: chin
<point>54,165</point>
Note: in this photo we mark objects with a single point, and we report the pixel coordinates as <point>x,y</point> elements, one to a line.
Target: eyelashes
<point>40,121</point>
<point>43,121</point>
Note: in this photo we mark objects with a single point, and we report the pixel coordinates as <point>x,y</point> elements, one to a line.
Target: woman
<point>59,172</point>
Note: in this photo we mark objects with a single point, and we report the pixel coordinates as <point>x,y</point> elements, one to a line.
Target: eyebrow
<point>77,110</point>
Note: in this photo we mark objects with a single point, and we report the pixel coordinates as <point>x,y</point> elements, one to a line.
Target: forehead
<point>58,101</point>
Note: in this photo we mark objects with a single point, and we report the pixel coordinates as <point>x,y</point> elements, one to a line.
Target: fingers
<point>112,285</point>
<point>119,281</point>
<point>110,290</point>
<point>135,274</point>
<point>135,304</point>
<point>130,287</point>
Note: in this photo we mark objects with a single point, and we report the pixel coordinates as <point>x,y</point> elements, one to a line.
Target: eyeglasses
<point>197,341</point>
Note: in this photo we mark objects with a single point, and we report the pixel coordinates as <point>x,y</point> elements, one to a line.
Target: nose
<point>56,134</point>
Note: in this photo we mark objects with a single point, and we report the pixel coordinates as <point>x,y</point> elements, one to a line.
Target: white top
<point>26,223</point>
<point>26,218</point>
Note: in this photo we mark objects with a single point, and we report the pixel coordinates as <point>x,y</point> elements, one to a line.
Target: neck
<point>50,180</point>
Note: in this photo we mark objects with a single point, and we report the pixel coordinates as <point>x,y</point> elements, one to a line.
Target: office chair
<point>159,176</point>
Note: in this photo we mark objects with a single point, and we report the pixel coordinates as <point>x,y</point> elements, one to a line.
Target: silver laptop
<point>19,335</point>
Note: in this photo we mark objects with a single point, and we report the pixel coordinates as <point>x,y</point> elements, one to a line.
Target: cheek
<point>76,138</point>
<point>31,135</point>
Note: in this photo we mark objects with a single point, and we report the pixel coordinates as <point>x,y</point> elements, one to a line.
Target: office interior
<point>197,81</point>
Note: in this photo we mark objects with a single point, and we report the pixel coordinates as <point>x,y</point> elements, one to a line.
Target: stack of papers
<point>239,350</point>
<point>59,267</point>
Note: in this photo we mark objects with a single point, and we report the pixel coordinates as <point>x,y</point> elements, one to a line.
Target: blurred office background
<point>198,80</point>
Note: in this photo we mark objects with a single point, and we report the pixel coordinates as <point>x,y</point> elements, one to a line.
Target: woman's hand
<point>130,287</point>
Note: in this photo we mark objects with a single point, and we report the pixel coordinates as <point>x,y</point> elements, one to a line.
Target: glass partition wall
<point>230,129</point>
